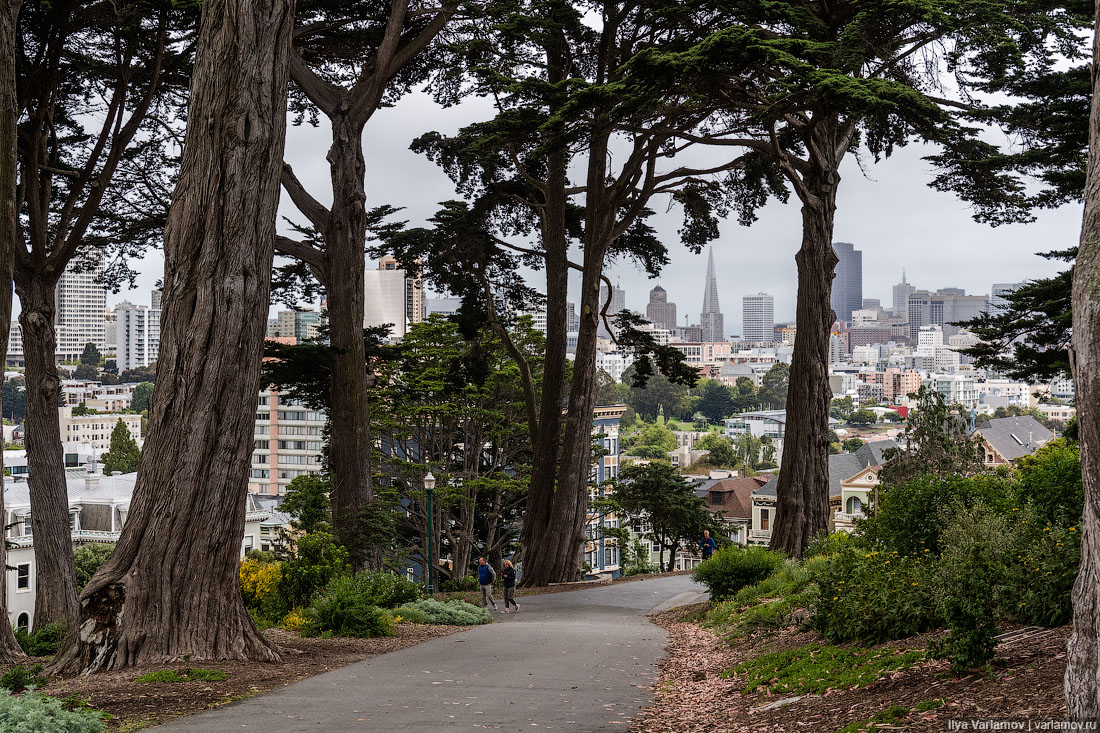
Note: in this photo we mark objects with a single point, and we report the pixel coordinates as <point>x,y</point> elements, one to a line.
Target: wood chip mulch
<point>690,694</point>
<point>134,705</point>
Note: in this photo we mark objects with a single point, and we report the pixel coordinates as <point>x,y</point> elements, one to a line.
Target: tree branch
<point>310,207</point>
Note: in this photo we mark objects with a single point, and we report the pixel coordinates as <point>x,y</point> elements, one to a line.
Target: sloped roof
<point>841,467</point>
<point>1014,437</point>
<point>870,454</point>
<point>738,502</point>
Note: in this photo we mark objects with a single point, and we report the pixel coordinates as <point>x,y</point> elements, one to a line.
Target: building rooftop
<point>1014,437</point>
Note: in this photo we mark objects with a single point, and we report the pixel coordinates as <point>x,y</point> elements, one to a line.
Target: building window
<point>23,576</point>
<point>23,622</point>
<point>27,529</point>
<point>72,521</point>
<point>248,541</point>
<point>715,497</point>
<point>765,519</point>
<point>854,505</point>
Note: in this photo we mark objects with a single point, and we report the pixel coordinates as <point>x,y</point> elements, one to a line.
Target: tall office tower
<point>138,335</point>
<point>414,290</point>
<point>572,325</point>
<point>618,303</point>
<point>943,308</point>
<point>902,291</point>
<point>660,312</point>
<point>711,319</point>
<point>386,298</point>
<point>301,325</point>
<point>81,303</point>
<point>758,317</point>
<point>998,297</point>
<point>847,293</point>
<point>155,297</point>
<point>871,303</point>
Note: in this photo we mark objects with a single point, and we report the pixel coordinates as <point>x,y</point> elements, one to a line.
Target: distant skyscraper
<point>902,291</point>
<point>414,290</point>
<point>155,297</point>
<point>386,300</point>
<point>138,335</point>
<point>660,312</point>
<point>81,303</point>
<point>572,325</point>
<point>710,319</point>
<point>998,297</point>
<point>943,309</point>
<point>871,303</point>
<point>758,317</point>
<point>618,303</point>
<point>848,283</point>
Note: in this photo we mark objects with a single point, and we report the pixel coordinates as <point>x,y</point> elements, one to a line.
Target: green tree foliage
<point>773,387</point>
<point>143,395</point>
<point>88,559</point>
<point>862,417</point>
<point>851,445</point>
<point>14,400</point>
<point>655,494</point>
<point>315,561</point>
<point>90,356</point>
<point>82,409</point>
<point>841,408</point>
<point>124,454</point>
<point>658,394</point>
<point>139,374</point>
<point>745,395</point>
<point>720,451</point>
<point>937,441</point>
<point>307,502</point>
<point>715,400</point>
<point>653,442</point>
<point>608,391</point>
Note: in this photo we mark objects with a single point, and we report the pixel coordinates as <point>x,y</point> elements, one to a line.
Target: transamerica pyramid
<point>710,320</point>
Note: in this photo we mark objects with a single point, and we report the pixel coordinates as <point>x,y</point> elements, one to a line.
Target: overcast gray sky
<point>890,214</point>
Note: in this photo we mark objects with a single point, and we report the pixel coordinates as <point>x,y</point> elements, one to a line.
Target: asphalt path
<point>577,661</point>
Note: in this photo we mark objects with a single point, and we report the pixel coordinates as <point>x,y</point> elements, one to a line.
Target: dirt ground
<point>691,696</point>
<point>133,705</point>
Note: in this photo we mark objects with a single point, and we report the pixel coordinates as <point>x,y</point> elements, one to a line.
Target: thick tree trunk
<point>802,508</point>
<point>170,589</point>
<point>1082,681</point>
<point>9,230</point>
<point>345,241</point>
<point>55,576</point>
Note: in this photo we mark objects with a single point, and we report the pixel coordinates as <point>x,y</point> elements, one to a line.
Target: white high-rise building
<point>758,317</point>
<point>385,301</point>
<point>928,339</point>
<point>998,297</point>
<point>137,332</point>
<point>81,303</point>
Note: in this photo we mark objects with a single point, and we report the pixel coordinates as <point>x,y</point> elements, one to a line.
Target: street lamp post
<point>429,488</point>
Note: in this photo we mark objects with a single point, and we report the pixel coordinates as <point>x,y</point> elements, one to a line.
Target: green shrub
<point>454,612</point>
<point>816,668</point>
<point>830,544</point>
<point>891,716</point>
<point>409,615</point>
<point>88,559</point>
<point>260,580</point>
<point>35,713</point>
<point>1041,572</point>
<point>319,559</point>
<point>458,585</point>
<point>19,678</point>
<point>1050,480</point>
<point>733,568</point>
<point>873,596</point>
<point>908,519</point>
<point>384,590</point>
<point>42,642</point>
<point>345,608</point>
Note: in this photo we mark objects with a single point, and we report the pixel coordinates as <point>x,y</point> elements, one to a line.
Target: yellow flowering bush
<point>294,621</point>
<point>260,592</point>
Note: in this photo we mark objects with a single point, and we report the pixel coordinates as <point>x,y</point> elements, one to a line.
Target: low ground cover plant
<point>183,675</point>
<point>35,713</point>
<point>768,605</point>
<point>817,668</point>
<point>454,612</point>
<point>19,678</point>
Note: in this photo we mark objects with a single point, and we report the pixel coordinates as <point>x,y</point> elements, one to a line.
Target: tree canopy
<point>124,454</point>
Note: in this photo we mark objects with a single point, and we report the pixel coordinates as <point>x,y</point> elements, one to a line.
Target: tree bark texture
<point>345,239</point>
<point>170,589</point>
<point>55,575</point>
<point>802,506</point>
<point>1082,680</point>
<point>9,230</point>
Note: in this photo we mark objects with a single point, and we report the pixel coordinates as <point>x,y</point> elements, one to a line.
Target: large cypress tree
<point>170,589</point>
<point>802,86</point>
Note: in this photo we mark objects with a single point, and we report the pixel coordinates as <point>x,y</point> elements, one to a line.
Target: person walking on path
<point>485,577</point>
<point>707,544</point>
<point>508,574</point>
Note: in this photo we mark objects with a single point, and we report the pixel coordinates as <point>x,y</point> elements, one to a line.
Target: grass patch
<point>816,668</point>
<point>890,716</point>
<point>183,675</point>
<point>923,707</point>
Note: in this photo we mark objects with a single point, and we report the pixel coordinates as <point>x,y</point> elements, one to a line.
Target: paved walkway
<point>577,661</point>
